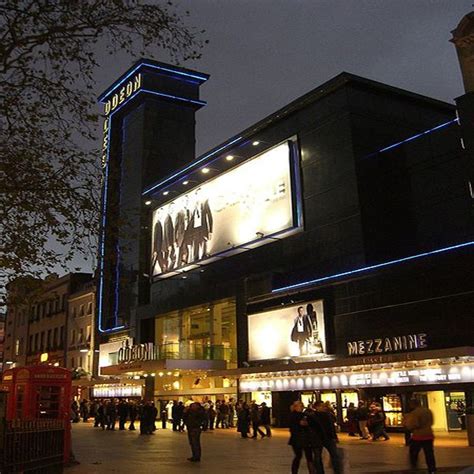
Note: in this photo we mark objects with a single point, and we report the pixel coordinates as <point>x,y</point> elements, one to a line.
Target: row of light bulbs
<point>204,170</point>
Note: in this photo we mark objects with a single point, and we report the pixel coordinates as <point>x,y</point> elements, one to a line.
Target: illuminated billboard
<point>295,332</point>
<point>245,206</point>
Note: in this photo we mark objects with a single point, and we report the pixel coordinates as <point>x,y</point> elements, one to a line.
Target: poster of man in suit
<point>229,210</point>
<point>294,331</point>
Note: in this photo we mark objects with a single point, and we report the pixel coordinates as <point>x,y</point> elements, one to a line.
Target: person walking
<point>377,422</point>
<point>363,418</point>
<point>194,418</point>
<point>255,419</point>
<point>419,421</point>
<point>328,435</point>
<point>243,420</point>
<point>300,438</point>
<point>265,419</point>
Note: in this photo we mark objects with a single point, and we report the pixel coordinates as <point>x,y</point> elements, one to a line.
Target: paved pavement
<point>224,452</point>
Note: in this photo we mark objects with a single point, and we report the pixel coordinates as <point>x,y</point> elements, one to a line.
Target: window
<point>17,347</point>
<point>48,340</point>
<point>89,307</point>
<point>48,308</point>
<point>88,332</point>
<point>55,338</point>
<point>74,312</point>
<point>30,345</point>
<point>36,344</point>
<point>72,363</point>
<point>81,336</point>
<point>42,341</point>
<point>81,310</point>
<point>73,337</point>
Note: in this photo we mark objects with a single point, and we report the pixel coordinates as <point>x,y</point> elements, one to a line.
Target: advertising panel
<point>242,206</point>
<point>295,332</point>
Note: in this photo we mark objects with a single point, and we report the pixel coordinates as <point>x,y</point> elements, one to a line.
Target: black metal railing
<point>35,446</point>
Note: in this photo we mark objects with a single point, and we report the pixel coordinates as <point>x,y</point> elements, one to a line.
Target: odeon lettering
<point>138,353</point>
<point>388,344</point>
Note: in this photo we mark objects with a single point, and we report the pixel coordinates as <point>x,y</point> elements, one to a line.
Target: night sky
<point>262,54</point>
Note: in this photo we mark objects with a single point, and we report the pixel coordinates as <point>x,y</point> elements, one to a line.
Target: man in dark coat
<point>158,247</point>
<point>132,413</point>
<point>194,418</point>
<point>146,419</point>
<point>122,411</point>
<point>324,423</point>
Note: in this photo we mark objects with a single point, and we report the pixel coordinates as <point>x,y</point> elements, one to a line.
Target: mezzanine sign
<point>388,344</point>
<point>138,353</point>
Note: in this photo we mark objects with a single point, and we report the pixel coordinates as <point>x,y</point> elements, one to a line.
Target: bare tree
<point>50,180</point>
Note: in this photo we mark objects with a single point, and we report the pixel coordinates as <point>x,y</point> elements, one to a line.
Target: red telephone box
<point>40,393</point>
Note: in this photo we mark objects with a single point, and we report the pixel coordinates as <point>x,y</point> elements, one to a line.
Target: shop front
<point>442,380</point>
<point>190,344</point>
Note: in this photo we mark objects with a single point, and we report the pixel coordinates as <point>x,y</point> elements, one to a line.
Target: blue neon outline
<point>371,267</point>
<point>104,205</point>
<point>192,165</point>
<point>152,66</point>
<point>414,137</point>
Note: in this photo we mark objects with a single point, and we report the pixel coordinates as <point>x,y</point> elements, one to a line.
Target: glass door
<point>392,406</point>
<point>456,410</point>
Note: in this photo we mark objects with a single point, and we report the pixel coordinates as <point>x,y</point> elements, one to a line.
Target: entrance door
<point>456,410</point>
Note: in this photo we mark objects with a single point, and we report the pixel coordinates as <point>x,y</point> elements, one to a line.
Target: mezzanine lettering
<point>388,344</point>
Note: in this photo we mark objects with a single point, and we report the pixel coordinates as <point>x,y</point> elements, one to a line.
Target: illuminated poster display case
<point>241,209</point>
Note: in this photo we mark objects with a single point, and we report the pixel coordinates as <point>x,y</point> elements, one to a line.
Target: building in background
<point>51,321</point>
<point>2,339</point>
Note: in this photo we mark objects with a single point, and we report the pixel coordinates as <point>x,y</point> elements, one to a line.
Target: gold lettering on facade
<point>123,94</point>
<point>388,344</point>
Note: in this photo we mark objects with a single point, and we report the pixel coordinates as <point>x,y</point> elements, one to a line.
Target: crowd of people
<point>312,428</point>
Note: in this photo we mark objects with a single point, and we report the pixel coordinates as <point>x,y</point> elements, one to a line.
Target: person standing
<point>212,416</point>
<point>301,331</point>
<point>363,418</point>
<point>243,420</point>
<point>179,416</point>
<point>231,413</point>
<point>174,415</point>
<point>352,419</point>
<point>224,414</point>
<point>194,418</point>
<point>265,419</point>
<point>84,409</point>
<point>300,438</point>
<point>101,416</point>
<point>132,413</point>
<point>122,411</point>
<point>147,419</point>
<point>419,421</point>
<point>328,435</point>
<point>111,415</point>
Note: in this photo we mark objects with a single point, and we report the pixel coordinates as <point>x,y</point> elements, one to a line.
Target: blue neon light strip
<point>174,97</point>
<point>192,165</point>
<point>104,206</point>
<point>414,137</point>
<point>151,66</point>
<point>371,267</point>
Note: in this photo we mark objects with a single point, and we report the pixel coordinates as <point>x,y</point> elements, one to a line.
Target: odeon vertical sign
<point>153,80</point>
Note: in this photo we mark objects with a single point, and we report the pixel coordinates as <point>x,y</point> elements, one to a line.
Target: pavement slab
<point>225,452</point>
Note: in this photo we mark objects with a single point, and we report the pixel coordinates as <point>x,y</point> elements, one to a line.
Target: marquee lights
<point>370,267</point>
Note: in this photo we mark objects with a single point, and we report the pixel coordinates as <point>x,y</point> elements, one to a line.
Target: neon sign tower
<point>148,130</point>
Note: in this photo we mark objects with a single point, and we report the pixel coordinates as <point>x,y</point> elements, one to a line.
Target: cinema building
<point>326,252</point>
